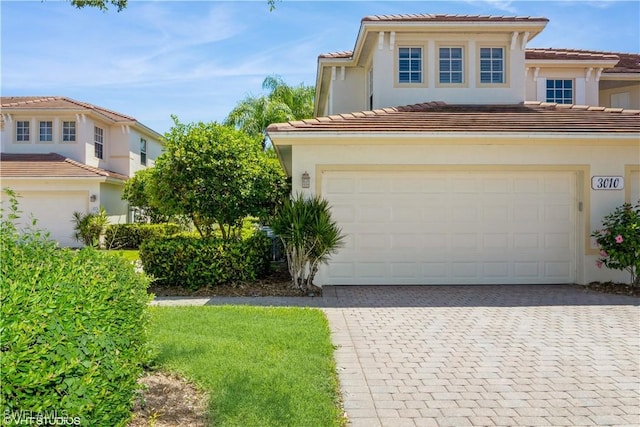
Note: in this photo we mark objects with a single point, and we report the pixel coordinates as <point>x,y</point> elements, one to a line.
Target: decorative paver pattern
<point>480,355</point>
<point>486,356</point>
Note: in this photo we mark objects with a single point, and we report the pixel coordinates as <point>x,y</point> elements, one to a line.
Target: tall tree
<point>282,103</point>
<point>216,176</point>
<point>122,4</point>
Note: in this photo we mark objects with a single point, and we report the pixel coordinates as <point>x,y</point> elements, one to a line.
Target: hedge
<point>131,236</point>
<point>72,332</point>
<point>194,262</point>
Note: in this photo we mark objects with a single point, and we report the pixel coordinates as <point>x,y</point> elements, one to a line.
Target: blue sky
<point>197,59</point>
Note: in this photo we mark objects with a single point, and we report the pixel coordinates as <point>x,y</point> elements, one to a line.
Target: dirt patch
<point>169,401</point>
<point>278,283</point>
<point>614,288</point>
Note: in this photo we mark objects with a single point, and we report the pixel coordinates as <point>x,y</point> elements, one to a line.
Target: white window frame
<point>98,142</point>
<point>26,131</point>
<point>562,99</point>
<point>143,151</point>
<point>491,62</point>
<point>69,133</point>
<point>411,60</point>
<point>48,134</point>
<point>450,72</point>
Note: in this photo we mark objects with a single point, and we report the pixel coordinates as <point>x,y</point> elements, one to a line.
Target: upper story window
<point>143,151</point>
<point>22,131</point>
<point>560,91</point>
<point>98,142</point>
<point>450,68</point>
<point>492,65</point>
<point>68,131</point>
<point>410,65</point>
<point>46,131</point>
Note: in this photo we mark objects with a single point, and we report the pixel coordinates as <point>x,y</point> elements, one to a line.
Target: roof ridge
<point>435,16</point>
<point>575,50</point>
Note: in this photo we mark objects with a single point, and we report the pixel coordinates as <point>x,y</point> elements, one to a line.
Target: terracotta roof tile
<point>530,117</point>
<point>627,62</point>
<point>49,165</point>
<point>429,17</point>
<point>60,102</point>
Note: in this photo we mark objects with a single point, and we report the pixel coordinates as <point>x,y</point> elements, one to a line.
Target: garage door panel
<point>448,227</point>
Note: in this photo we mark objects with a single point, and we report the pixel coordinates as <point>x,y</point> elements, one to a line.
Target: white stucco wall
<point>588,158</point>
<point>585,89</point>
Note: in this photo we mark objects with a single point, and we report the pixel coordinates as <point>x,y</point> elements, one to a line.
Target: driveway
<point>486,355</point>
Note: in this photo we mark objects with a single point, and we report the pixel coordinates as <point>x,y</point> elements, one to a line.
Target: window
<point>98,142</point>
<point>143,151</point>
<point>22,131</point>
<point>451,65</point>
<point>560,91</point>
<point>491,65</point>
<point>68,131</point>
<point>410,65</point>
<point>46,131</point>
<point>370,88</point>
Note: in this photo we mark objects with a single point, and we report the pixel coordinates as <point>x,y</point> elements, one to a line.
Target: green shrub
<point>194,263</point>
<point>131,236</point>
<point>619,241</point>
<point>72,330</point>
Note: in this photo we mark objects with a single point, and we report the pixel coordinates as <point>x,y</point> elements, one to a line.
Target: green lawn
<point>128,254</point>
<point>262,366</point>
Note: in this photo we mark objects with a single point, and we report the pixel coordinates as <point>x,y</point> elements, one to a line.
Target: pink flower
<point>603,254</point>
<point>599,264</point>
<point>619,239</point>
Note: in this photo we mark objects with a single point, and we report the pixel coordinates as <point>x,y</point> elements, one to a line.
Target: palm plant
<point>309,236</point>
<point>88,228</point>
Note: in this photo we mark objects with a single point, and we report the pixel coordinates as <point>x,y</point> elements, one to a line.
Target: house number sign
<point>607,182</point>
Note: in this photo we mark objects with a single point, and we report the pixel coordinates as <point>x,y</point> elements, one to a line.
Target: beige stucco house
<point>445,163</point>
<point>61,155</point>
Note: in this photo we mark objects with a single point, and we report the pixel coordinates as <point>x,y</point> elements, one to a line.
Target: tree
<point>282,103</point>
<point>216,176</point>
<point>122,4</point>
<point>137,191</point>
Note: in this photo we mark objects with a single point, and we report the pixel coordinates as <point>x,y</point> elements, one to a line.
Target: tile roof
<point>627,62</point>
<point>429,17</point>
<point>530,117</point>
<point>49,165</point>
<point>59,102</point>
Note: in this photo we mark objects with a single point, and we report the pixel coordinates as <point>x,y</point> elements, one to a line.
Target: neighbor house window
<point>560,91</point>
<point>450,68</point>
<point>68,131</point>
<point>98,142</point>
<point>410,65</point>
<point>143,151</point>
<point>46,131</point>
<point>22,131</point>
<point>491,65</point>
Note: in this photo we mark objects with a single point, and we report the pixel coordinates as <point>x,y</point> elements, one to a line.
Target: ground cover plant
<point>260,366</point>
<point>72,331</point>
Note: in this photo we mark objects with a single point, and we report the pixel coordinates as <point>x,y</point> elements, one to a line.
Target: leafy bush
<point>131,236</point>
<point>619,241</point>
<point>194,262</point>
<point>309,236</point>
<point>72,330</point>
<point>89,228</point>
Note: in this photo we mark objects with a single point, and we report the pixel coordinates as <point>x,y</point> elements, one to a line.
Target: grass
<point>261,366</point>
<point>128,254</point>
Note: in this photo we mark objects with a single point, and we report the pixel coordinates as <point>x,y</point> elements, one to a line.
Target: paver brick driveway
<point>486,355</point>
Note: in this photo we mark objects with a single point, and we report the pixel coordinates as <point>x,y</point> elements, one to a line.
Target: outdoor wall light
<point>306,180</point>
<point>93,198</point>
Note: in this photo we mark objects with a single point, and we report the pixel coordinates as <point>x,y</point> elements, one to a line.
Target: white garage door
<point>453,227</point>
<point>54,212</point>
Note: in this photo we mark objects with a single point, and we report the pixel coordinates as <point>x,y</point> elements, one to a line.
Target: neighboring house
<point>61,155</point>
<point>439,172</point>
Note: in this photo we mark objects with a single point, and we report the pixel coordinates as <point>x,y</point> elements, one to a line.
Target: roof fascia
<point>571,63</point>
<point>335,138</point>
<point>620,76</point>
